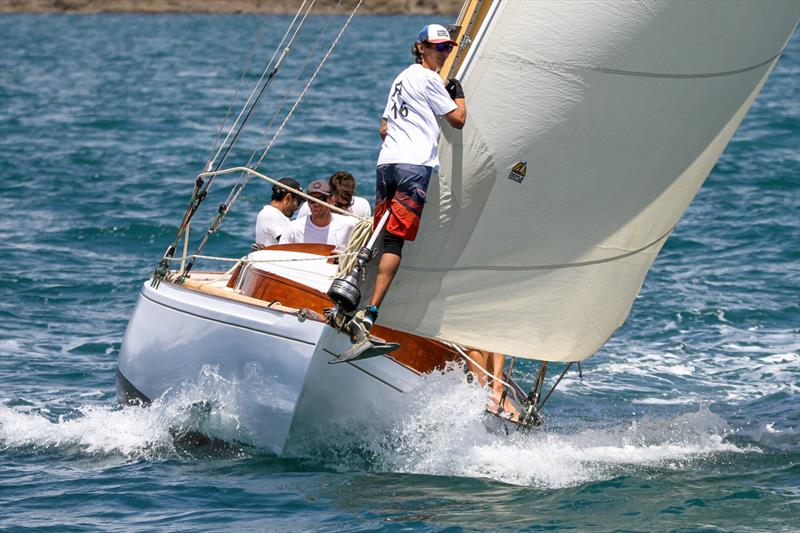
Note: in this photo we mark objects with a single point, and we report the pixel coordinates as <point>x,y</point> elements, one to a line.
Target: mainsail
<point>591,127</point>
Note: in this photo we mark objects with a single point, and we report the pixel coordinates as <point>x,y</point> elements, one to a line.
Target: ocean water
<point>688,419</point>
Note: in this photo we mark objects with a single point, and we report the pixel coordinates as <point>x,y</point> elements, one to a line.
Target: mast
<point>469,22</point>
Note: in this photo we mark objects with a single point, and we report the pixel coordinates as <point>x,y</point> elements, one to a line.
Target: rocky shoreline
<point>369,7</point>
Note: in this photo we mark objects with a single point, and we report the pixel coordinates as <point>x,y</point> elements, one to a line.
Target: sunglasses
<point>441,47</point>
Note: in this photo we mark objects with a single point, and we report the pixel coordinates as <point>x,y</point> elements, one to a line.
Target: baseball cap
<point>319,187</point>
<point>289,182</point>
<point>435,33</point>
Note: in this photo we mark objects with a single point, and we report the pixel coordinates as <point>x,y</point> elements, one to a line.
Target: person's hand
<point>454,89</point>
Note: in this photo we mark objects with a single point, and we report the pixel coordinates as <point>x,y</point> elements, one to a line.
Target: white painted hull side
<point>296,396</point>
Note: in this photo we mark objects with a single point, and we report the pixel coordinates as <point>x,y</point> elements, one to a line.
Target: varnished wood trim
<point>274,288</point>
<point>307,248</point>
<point>258,287</point>
<point>198,286</point>
<point>479,9</point>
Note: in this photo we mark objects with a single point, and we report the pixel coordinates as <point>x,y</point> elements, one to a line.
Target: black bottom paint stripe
<point>128,394</point>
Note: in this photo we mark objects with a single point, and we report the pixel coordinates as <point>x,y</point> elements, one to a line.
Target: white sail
<point>619,110</point>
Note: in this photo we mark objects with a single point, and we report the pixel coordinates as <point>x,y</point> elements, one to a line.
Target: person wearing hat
<point>410,150</point>
<point>344,196</point>
<point>273,219</point>
<point>321,226</point>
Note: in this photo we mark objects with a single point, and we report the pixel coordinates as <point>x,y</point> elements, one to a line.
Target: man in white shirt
<point>344,190</point>
<point>273,220</point>
<point>321,226</point>
<point>410,150</point>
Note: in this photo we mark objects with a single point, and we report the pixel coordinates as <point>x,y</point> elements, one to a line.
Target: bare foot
<point>508,411</point>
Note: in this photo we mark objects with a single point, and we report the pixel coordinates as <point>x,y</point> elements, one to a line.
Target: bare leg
<point>497,362</point>
<point>387,268</point>
<point>481,358</point>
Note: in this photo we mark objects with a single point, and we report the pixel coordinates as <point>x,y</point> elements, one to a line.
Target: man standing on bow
<point>410,150</point>
<point>273,220</point>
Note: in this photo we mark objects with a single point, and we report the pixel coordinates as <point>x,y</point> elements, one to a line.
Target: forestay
<point>591,127</point>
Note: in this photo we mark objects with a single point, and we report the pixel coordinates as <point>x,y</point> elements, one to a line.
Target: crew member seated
<point>273,220</point>
<point>343,196</point>
<point>322,226</point>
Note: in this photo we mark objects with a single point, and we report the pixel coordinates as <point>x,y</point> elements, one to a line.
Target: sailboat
<point>591,127</point>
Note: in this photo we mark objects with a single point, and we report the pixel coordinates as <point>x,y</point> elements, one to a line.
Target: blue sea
<point>687,420</point>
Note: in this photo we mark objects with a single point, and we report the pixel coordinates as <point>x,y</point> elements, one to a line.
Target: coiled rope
<point>358,238</point>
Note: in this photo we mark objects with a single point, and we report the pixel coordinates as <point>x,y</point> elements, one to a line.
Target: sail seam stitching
<point>543,267</point>
<point>574,66</point>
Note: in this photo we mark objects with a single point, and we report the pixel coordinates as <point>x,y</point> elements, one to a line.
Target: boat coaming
<point>277,362</point>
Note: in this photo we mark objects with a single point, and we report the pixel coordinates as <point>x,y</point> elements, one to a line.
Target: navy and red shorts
<point>401,189</point>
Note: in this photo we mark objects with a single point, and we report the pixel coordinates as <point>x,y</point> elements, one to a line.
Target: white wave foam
<point>745,367</point>
<point>94,429</point>
<point>206,405</point>
<point>8,346</point>
<point>443,432</point>
<point>666,401</point>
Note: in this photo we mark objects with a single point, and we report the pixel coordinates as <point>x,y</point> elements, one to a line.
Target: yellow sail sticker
<point>518,171</point>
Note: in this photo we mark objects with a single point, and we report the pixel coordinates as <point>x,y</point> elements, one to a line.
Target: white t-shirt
<point>360,207</point>
<point>337,233</point>
<point>416,98</point>
<point>270,225</point>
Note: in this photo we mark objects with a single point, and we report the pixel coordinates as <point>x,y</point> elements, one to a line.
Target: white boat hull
<point>296,397</point>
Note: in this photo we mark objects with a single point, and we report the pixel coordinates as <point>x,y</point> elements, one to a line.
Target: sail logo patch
<point>518,171</point>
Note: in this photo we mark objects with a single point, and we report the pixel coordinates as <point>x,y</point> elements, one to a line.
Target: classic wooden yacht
<point>591,127</point>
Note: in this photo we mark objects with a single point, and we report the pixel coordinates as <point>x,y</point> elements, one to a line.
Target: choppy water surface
<point>687,420</point>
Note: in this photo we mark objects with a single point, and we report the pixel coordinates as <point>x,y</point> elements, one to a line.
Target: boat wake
<point>199,419</point>
<point>442,430</point>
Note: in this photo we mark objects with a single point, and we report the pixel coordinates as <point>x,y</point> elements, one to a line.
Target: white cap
<point>435,33</point>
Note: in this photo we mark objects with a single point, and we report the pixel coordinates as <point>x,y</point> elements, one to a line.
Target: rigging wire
<point>280,107</point>
<point>223,208</point>
<point>254,50</point>
<point>313,77</point>
<point>547,397</point>
<point>255,102</point>
<point>297,77</point>
<point>201,188</point>
<point>463,354</point>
